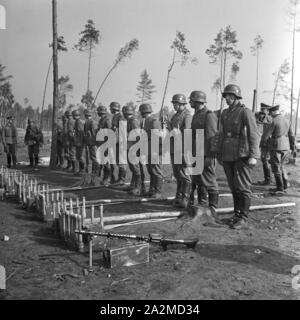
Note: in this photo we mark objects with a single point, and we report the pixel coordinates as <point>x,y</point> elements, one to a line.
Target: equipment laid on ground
<point>132,254</point>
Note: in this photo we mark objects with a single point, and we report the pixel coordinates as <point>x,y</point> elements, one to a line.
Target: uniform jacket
<point>239,136</point>
<point>9,134</point>
<point>70,130</point>
<point>116,118</point>
<point>90,132</point>
<point>263,122</point>
<point>181,120</point>
<point>208,121</point>
<point>280,135</point>
<point>33,136</point>
<point>65,133</point>
<point>59,135</point>
<point>79,133</point>
<point>132,123</point>
<point>105,122</point>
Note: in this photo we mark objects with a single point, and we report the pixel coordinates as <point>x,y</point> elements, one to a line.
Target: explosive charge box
<point>128,255</point>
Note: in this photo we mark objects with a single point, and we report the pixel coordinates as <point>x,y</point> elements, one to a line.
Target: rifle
<point>155,238</point>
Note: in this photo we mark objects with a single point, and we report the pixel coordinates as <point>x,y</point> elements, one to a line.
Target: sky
<point>24,46</point>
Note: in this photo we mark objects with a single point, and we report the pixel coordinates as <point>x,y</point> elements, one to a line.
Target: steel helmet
<point>87,112</point>
<point>101,109</point>
<point>198,96</point>
<point>180,98</point>
<point>232,89</point>
<point>115,106</point>
<point>145,108</point>
<point>128,110</point>
<point>68,113</point>
<point>75,113</point>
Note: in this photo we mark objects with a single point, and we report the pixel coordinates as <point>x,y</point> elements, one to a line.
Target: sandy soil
<point>253,263</point>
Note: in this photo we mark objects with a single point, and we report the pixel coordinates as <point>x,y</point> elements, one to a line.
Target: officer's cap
<point>274,108</point>
<point>264,106</point>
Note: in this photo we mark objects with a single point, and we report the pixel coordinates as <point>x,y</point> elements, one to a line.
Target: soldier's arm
<point>252,132</point>
<point>188,121</point>
<point>291,139</point>
<point>211,129</point>
<point>156,124</point>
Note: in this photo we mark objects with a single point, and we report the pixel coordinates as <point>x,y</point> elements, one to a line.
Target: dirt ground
<point>252,263</point>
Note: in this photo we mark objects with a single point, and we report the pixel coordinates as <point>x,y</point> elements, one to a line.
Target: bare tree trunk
<point>297,114</point>
<point>257,71</point>
<point>44,94</point>
<point>55,85</point>
<point>293,66</point>
<point>275,89</point>
<point>89,68</point>
<point>104,80</point>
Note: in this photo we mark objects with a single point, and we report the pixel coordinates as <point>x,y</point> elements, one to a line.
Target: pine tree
<point>145,88</point>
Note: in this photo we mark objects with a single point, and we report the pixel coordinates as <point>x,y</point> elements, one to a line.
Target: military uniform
<point>207,181</point>
<point>181,120</point>
<point>34,140</point>
<point>105,122</point>
<point>9,140</point>
<point>280,139</point>
<point>65,142</point>
<point>156,177</point>
<point>239,142</point>
<point>59,145</point>
<point>263,121</point>
<point>116,118</point>
<point>90,132</point>
<point>79,143</point>
<point>137,185</point>
<point>71,145</point>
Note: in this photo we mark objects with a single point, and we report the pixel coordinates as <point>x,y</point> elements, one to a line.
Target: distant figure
<point>34,140</point>
<point>59,143</point>
<point>9,140</point>
<point>282,140</point>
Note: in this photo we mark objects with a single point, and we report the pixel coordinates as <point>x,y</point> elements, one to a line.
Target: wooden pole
<point>55,84</point>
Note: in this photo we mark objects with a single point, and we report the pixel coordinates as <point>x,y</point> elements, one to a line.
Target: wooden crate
<point>127,255</point>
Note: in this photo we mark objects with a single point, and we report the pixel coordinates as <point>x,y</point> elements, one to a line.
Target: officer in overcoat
<point>9,140</point>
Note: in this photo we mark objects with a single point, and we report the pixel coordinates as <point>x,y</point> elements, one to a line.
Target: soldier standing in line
<point>263,121</point>
<point>70,141</point>
<point>206,120</point>
<point>59,143</point>
<point>239,147</point>
<point>181,120</point>
<point>115,109</point>
<point>105,122</point>
<point>90,132</point>
<point>79,141</point>
<point>148,123</point>
<point>282,140</point>
<point>137,186</point>
<point>34,140</point>
<point>9,140</point>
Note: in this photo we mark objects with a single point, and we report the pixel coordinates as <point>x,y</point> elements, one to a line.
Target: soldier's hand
<point>252,162</point>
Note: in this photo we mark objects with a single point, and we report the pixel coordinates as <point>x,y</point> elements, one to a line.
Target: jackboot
<point>137,186</point>
<point>36,161</point>
<point>14,160</point>
<point>30,161</point>
<point>240,219</point>
<point>106,175</point>
<point>186,190</point>
<point>69,165</point>
<point>112,175</point>
<point>279,184</point>
<point>178,195</point>
<point>8,157</point>
<point>236,204</point>
<point>202,195</point>
<point>81,169</point>
<point>157,185</point>
<point>143,190</point>
<point>73,164</point>
<point>285,181</point>
<point>121,177</point>
<point>151,187</point>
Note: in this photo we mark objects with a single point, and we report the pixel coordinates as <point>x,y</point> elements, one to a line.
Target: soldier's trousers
<point>179,172</point>
<point>93,158</point>
<point>265,159</point>
<point>79,156</point>
<point>60,152</point>
<point>118,167</point>
<point>33,153</point>
<point>11,154</point>
<point>277,163</point>
<point>208,178</point>
<point>238,175</point>
<point>66,152</point>
<point>72,152</point>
